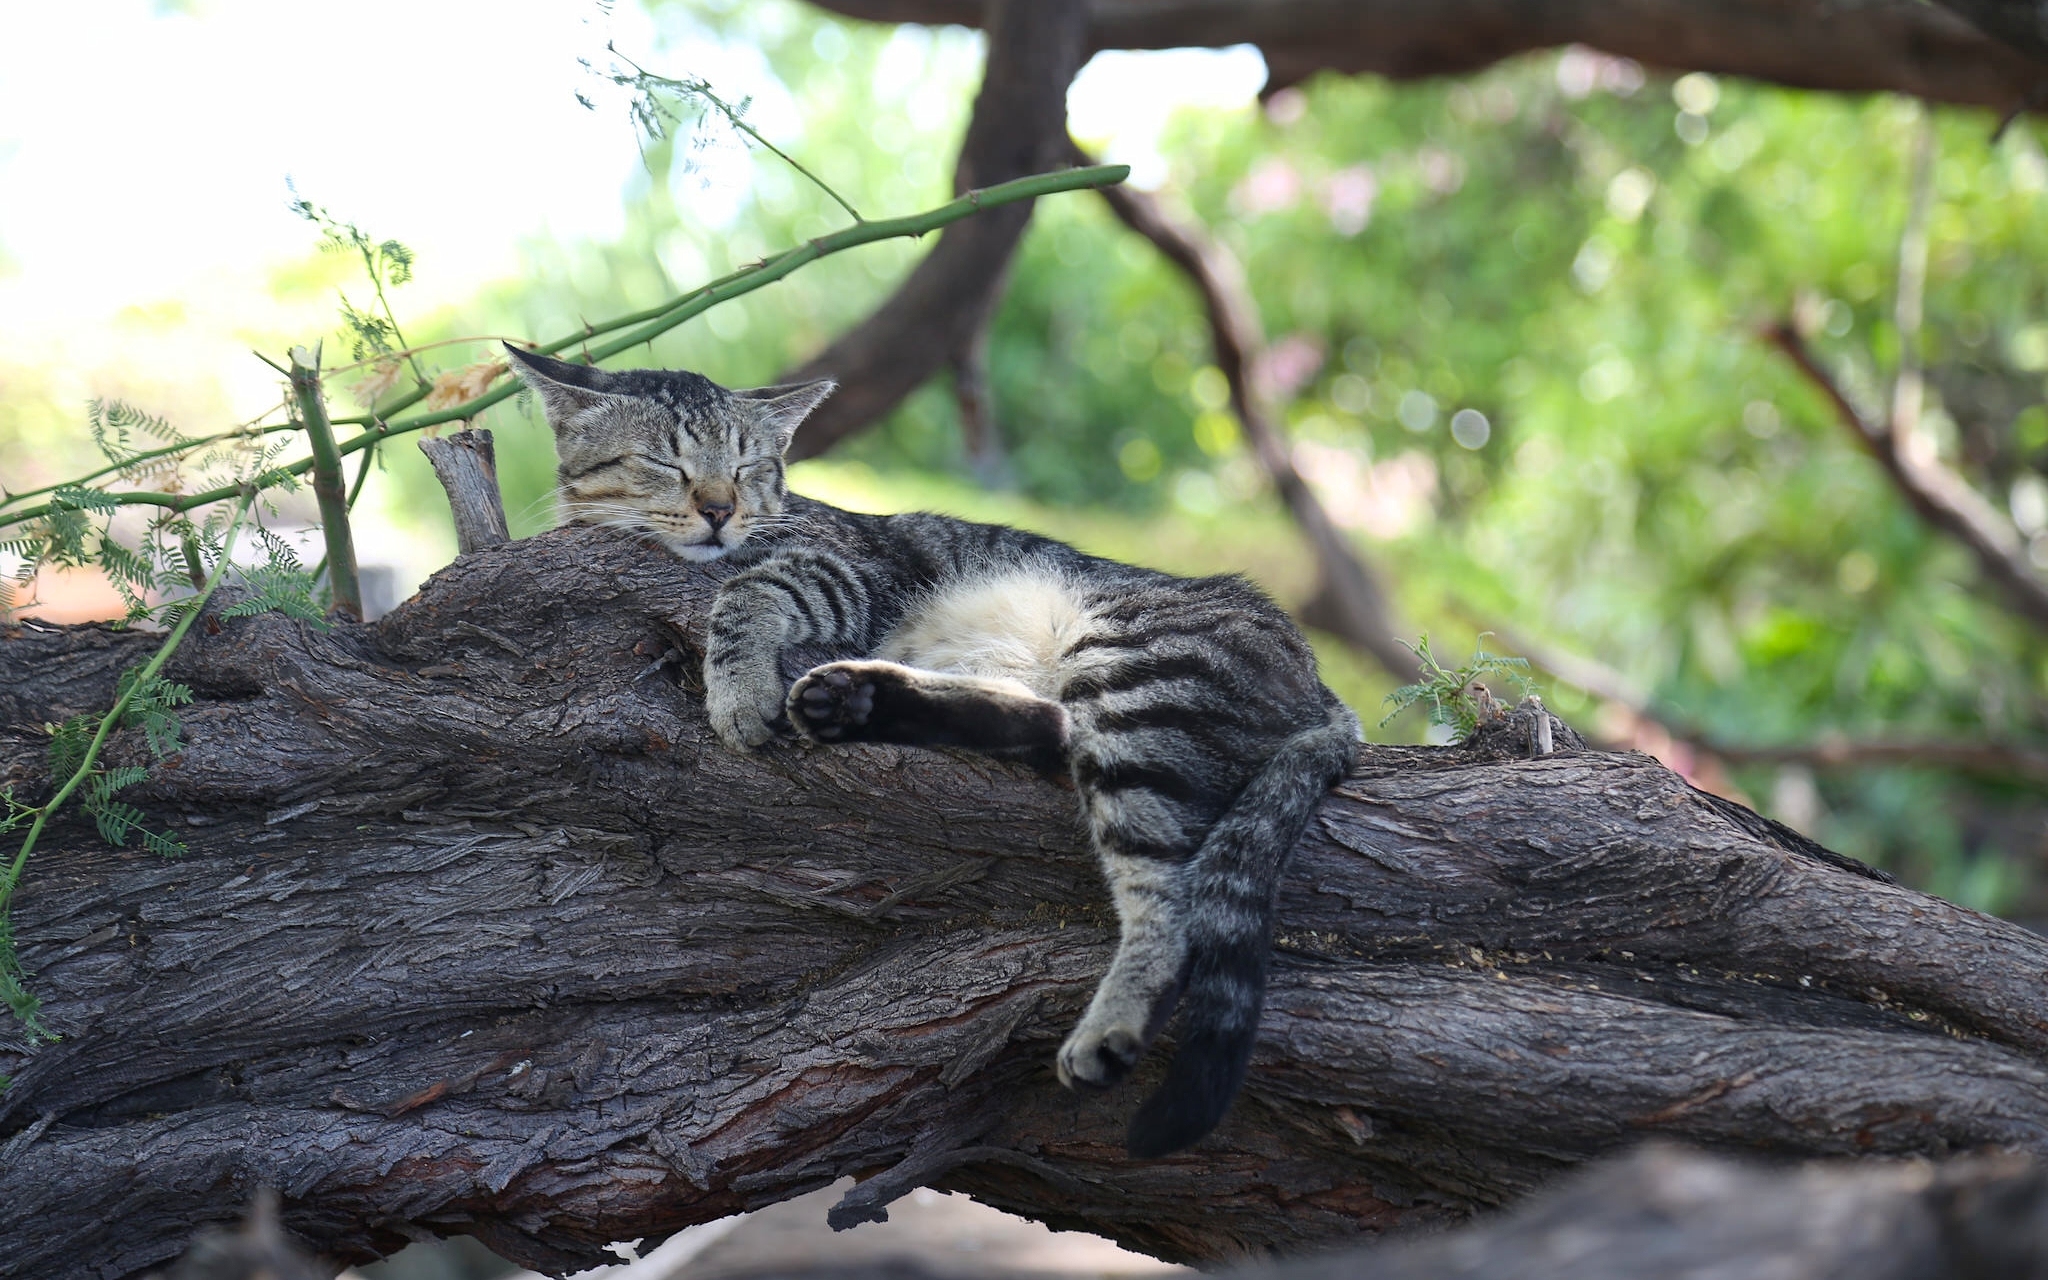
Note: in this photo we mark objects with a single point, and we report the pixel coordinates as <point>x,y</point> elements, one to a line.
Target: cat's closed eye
<point>664,465</point>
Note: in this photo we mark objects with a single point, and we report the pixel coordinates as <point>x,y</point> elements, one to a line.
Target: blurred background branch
<point>1349,601</point>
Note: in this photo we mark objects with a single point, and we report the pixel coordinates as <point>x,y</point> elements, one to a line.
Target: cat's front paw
<point>743,706</point>
<point>1098,1054</point>
<point>832,700</point>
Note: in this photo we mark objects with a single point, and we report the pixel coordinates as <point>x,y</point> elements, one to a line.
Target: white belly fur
<point>1009,624</point>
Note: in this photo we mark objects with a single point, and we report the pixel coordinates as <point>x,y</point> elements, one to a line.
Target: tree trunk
<point>481,933</point>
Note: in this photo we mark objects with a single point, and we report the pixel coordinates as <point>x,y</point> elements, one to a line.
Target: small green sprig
<point>373,336</point>
<point>656,112</point>
<point>1449,693</point>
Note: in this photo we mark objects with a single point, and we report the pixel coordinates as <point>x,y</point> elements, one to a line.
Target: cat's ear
<point>783,409</point>
<point>564,389</point>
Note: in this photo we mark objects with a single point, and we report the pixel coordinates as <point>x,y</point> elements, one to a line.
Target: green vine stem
<point>86,764</point>
<point>329,487</point>
<point>652,322</point>
<point>254,427</point>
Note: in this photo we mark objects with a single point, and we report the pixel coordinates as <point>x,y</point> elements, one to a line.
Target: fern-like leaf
<point>25,1007</point>
<point>68,743</point>
<point>161,844</point>
<point>114,818</point>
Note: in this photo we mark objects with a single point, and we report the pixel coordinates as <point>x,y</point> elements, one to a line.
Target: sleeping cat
<point>1186,709</point>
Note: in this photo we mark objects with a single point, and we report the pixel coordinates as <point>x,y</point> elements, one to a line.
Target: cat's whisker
<point>551,500</point>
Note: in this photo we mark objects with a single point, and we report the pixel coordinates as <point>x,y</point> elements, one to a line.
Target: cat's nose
<point>716,512</point>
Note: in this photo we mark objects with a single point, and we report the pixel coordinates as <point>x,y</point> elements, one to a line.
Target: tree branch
<point>1940,496</point>
<point>1349,602</point>
<point>1900,46</point>
<point>981,434</point>
<point>1702,758</point>
<point>482,933</point>
<point>2022,24</point>
<point>1018,127</point>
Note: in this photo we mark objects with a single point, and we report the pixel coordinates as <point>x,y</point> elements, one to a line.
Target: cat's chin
<point>697,552</point>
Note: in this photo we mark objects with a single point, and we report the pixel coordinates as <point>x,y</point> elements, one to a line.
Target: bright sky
<point>144,149</point>
<point>144,152</point>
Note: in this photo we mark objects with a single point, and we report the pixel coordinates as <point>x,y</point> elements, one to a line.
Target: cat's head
<point>666,452</point>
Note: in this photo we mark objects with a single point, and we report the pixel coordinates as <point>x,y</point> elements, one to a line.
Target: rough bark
<point>1018,128</point>
<point>480,932</point>
<point>1897,45</point>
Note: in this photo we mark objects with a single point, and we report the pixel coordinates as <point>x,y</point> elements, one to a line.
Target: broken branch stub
<point>466,463</point>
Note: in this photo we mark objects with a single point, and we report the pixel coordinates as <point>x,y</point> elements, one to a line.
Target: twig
<point>355,491</point>
<point>2004,761</point>
<point>1351,602</point>
<point>328,485</point>
<point>642,77</point>
<point>2032,100</point>
<point>253,427</point>
<point>658,320</point>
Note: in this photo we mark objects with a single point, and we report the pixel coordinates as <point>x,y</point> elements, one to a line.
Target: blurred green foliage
<point>1518,316</point>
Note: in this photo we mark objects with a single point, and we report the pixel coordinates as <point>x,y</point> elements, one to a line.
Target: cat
<point>1187,710</point>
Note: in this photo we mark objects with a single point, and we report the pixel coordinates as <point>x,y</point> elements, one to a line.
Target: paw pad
<point>829,701</point>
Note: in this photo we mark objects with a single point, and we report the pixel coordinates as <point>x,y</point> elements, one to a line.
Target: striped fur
<point>1187,711</point>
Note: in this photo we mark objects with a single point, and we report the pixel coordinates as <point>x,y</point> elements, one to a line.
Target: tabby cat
<point>1186,709</point>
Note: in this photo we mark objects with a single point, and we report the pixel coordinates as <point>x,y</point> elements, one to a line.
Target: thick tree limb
<point>489,939</point>
<point>1349,602</point>
<point>1018,128</point>
<point>1896,45</point>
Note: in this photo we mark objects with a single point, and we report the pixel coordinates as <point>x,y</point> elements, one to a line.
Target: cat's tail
<point>1232,886</point>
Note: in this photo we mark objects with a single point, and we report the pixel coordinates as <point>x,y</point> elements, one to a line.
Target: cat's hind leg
<point>1134,999</point>
<point>874,701</point>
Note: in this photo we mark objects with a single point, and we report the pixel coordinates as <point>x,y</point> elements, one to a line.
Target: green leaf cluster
<point>1449,693</point>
